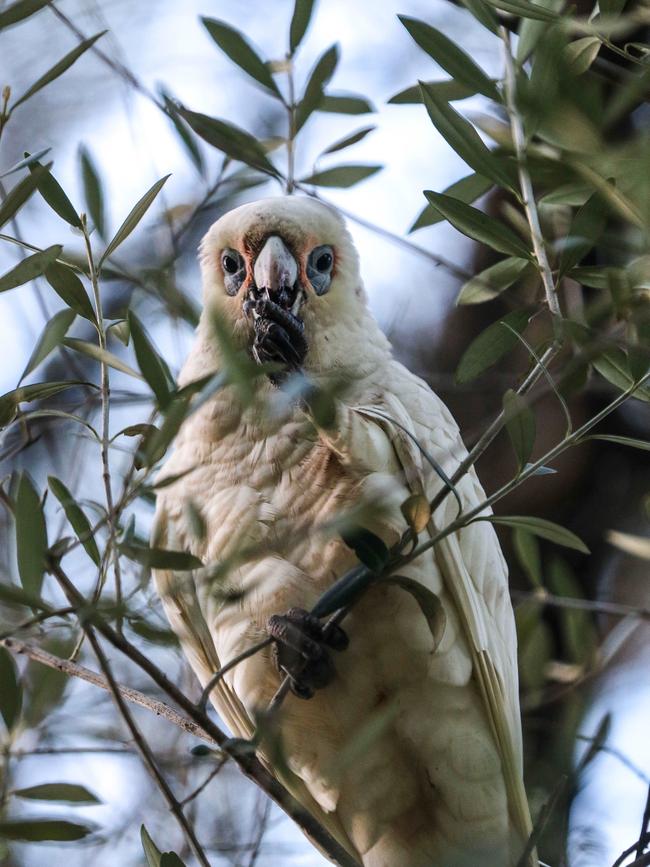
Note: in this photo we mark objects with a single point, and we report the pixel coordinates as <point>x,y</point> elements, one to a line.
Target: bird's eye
<point>234,270</point>
<point>324,262</point>
<point>319,268</point>
<point>230,264</point>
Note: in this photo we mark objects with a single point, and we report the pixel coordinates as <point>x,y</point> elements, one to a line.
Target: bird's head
<point>283,275</point>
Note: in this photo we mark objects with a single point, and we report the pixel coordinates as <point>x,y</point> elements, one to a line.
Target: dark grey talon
<point>299,649</point>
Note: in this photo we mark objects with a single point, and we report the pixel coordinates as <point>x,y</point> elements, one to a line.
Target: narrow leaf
<point>448,90</point>
<point>185,135</point>
<point>54,194</point>
<point>483,14</point>
<point>450,57</point>
<point>137,213</point>
<point>151,851</point>
<point>466,190</point>
<point>31,536</point>
<point>614,367</point>
<point>491,345</point>
<point>586,228</point>
<point>430,605</point>
<point>11,696</point>
<point>34,830</point>
<point>542,528</point>
<point>477,225</point>
<point>29,268</point>
<point>37,391</point>
<point>345,103</point>
<point>524,9</point>
<point>520,425</point>
<point>50,338</point>
<point>644,445</point>
<point>317,81</point>
<point>233,141</point>
<point>19,11</point>
<point>70,289</point>
<point>18,195</point>
<point>58,68</point>
<point>302,12</point>
<point>463,138</point>
<point>349,140</point>
<point>581,53</point>
<point>152,366</point>
<point>241,52</point>
<point>170,859</point>
<point>160,558</point>
<point>493,281</point>
<point>75,515</point>
<point>527,551</point>
<point>25,162</point>
<point>70,793</point>
<point>341,176</point>
<point>101,355</point>
<point>93,192</point>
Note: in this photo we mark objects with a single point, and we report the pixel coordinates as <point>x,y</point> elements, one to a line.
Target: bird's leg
<point>301,649</point>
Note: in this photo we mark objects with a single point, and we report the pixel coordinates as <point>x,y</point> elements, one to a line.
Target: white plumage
<point>442,783</point>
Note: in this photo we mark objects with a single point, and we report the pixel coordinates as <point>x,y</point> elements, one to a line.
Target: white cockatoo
<point>437,779</point>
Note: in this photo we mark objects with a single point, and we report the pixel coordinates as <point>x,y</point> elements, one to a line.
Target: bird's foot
<point>279,337</point>
<point>301,649</point>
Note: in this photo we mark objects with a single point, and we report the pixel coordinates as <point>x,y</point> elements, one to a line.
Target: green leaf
<point>613,366</point>
<point>29,268</point>
<point>20,10</point>
<point>75,515</point>
<point>24,163</point>
<point>31,536</point>
<point>581,53</point>
<point>160,558</point>
<point>318,79</point>
<point>17,597</point>
<point>430,604</point>
<point>54,194</point>
<point>351,139</point>
<point>58,68</point>
<point>368,547</point>
<point>39,830</point>
<point>154,369</point>
<point>9,402</point>
<point>344,591</point>
<point>170,859</point>
<point>527,552</point>
<point>450,57</point>
<point>524,9</point>
<point>233,141</point>
<point>341,176</point>
<point>50,338</point>
<point>540,527</point>
<point>644,445</point>
<point>463,138</point>
<point>586,228</point>
<point>611,7</point>
<point>70,289</point>
<point>493,281</point>
<point>151,851</point>
<point>531,31</point>
<point>477,225</point>
<point>186,137</point>
<point>448,90</point>
<point>136,214</point>
<point>102,355</point>
<point>466,190</point>
<point>11,694</point>
<point>241,52</point>
<point>18,195</point>
<point>302,12</point>
<point>345,103</point>
<point>520,426</point>
<point>93,193</point>
<point>70,793</point>
<point>416,511</point>
<point>483,14</point>
<point>491,345</point>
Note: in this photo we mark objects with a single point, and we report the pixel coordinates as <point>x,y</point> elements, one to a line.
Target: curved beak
<point>276,272</point>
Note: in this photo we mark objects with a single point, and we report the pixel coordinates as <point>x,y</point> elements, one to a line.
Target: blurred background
<point>103,111</point>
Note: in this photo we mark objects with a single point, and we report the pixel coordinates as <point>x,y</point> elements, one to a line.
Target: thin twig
<point>73,669</point>
<point>617,609</point>
<point>213,773</point>
<point>218,675</point>
<point>644,827</point>
<point>622,857</point>
<point>145,751</point>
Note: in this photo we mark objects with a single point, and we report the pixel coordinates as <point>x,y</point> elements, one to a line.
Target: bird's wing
<point>471,564</point>
<point>178,592</point>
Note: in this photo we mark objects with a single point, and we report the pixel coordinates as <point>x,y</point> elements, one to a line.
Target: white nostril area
<point>275,267</point>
